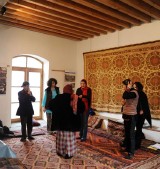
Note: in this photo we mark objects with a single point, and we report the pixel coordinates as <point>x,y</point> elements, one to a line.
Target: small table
<point>5,151</point>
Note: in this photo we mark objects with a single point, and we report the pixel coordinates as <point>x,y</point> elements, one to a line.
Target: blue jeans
<point>84,124</point>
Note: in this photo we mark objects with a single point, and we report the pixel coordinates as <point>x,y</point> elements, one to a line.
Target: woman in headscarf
<point>65,122</point>
<point>143,112</point>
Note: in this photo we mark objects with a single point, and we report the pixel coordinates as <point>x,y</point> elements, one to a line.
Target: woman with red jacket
<point>84,94</point>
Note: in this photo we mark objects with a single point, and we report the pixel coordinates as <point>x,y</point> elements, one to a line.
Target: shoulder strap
<point>57,90</point>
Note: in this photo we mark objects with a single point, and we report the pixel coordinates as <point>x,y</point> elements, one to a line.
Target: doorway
<point>26,68</point>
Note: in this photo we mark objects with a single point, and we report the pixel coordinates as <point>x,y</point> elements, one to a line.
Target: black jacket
<point>143,105</point>
<point>25,104</point>
<point>88,96</point>
<point>49,95</point>
<point>63,118</point>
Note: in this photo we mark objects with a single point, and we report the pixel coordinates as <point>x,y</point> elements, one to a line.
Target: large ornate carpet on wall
<point>105,70</point>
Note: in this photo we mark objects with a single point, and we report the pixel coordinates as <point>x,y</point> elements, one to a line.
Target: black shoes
<point>23,139</point>
<point>122,144</point>
<point>67,156</point>
<point>31,138</point>
<point>83,139</point>
<point>59,155</point>
<point>129,156</point>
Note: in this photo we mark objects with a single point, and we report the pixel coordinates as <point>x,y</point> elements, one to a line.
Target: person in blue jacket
<point>50,93</point>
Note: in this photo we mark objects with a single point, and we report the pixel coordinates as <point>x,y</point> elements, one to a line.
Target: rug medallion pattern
<point>105,70</point>
<point>97,153</point>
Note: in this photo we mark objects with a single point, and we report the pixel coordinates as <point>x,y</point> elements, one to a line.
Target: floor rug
<point>111,149</point>
<point>97,152</point>
<point>41,154</point>
<point>115,138</point>
<point>11,163</point>
<point>151,163</point>
<point>36,131</point>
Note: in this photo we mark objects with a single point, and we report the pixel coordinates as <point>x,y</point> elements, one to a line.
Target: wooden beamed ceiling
<point>79,19</point>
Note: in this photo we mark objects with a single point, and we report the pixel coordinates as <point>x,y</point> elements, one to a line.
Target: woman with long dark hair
<point>50,93</point>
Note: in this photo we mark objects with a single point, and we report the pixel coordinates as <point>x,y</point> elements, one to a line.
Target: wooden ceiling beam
<point>58,10</point>
<point>80,19</point>
<point>108,11</point>
<point>51,8</point>
<point>31,28</point>
<point>47,25</point>
<point>143,7</point>
<point>46,21</point>
<point>117,5</point>
<point>43,28</point>
<point>27,10</point>
<point>154,3</point>
<point>80,6</point>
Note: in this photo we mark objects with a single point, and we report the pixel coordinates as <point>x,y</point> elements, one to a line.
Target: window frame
<point>26,74</point>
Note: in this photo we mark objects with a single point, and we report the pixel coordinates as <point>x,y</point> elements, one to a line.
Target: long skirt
<point>66,143</point>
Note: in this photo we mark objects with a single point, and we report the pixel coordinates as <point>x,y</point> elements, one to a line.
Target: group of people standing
<point>68,113</point>
<point>135,109</point>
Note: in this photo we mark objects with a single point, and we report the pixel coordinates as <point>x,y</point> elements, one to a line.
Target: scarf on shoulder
<point>85,100</point>
<point>74,100</point>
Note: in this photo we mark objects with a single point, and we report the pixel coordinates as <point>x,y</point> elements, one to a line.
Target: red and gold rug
<point>97,152</point>
<point>106,69</point>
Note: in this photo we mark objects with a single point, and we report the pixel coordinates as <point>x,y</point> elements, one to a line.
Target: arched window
<point>26,68</point>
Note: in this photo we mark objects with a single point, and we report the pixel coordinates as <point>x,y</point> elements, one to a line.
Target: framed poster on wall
<point>70,78</point>
<point>3,80</point>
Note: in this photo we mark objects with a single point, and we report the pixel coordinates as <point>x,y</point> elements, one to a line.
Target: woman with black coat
<point>143,113</point>
<point>66,122</point>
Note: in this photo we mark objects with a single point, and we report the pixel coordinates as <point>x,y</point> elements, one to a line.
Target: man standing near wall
<point>25,110</point>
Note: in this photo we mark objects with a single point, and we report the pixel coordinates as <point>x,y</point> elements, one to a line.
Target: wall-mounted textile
<point>105,70</point>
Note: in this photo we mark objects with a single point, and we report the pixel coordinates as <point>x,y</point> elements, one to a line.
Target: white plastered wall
<point>60,54</point>
<point>138,34</point>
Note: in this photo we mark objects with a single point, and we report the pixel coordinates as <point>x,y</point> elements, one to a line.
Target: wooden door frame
<point>27,70</point>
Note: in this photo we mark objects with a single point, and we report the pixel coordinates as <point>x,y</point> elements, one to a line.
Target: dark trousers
<point>129,126</point>
<point>84,124</point>
<point>26,121</point>
<point>139,133</point>
<point>49,121</point>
